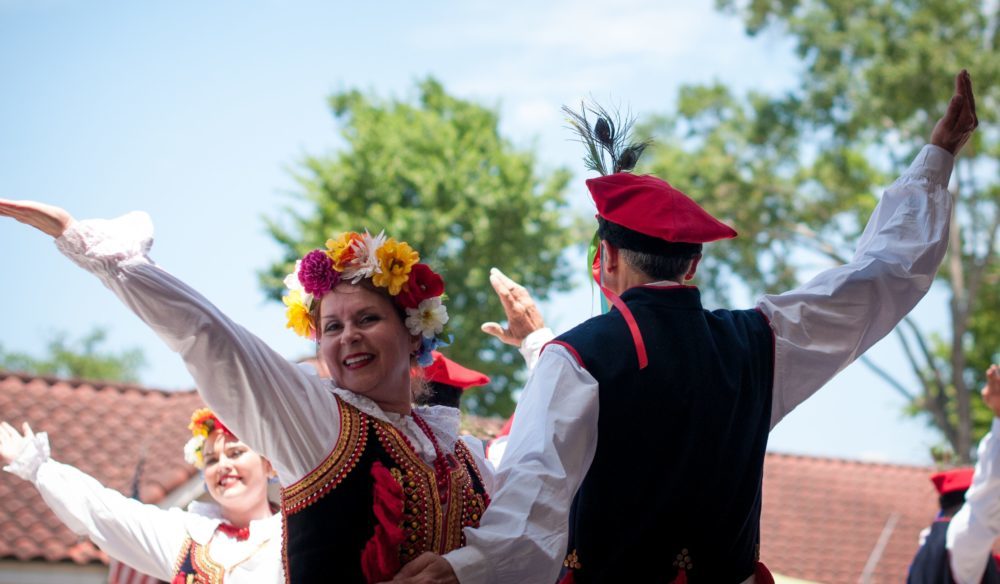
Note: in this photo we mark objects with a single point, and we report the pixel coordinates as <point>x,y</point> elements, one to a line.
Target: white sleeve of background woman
<point>277,409</point>
<point>976,526</point>
<point>825,324</point>
<point>143,536</point>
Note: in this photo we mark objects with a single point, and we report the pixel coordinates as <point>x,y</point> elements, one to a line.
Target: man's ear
<point>609,257</point>
<point>693,268</point>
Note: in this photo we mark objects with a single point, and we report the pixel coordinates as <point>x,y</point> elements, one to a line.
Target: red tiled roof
<point>822,517</point>
<point>102,429</point>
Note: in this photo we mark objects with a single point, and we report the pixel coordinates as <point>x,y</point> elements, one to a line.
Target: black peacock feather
<point>607,139</point>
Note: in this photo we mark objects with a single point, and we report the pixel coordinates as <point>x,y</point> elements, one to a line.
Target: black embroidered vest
<point>330,516</point>
<point>676,478</point>
<point>194,566</point>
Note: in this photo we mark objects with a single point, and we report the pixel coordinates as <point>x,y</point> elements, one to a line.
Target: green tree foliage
<point>80,359</point>
<point>437,174</point>
<point>799,173</point>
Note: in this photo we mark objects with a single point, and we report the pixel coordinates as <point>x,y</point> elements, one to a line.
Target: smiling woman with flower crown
<point>234,539</point>
<point>394,480</point>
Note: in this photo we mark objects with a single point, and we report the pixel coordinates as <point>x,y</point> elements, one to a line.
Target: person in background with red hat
<point>958,546</point>
<point>931,564</point>
<point>446,380</point>
<point>646,426</point>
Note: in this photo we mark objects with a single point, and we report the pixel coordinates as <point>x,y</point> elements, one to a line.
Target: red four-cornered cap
<point>649,205</point>
<point>444,370</point>
<point>950,481</point>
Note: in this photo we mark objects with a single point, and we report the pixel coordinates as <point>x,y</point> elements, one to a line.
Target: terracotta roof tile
<point>102,429</point>
<point>822,518</point>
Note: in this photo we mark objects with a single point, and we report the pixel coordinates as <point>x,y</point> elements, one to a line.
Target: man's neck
<point>631,278</point>
<point>663,283</point>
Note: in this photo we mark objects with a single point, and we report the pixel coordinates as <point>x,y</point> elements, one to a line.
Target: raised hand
<point>991,391</point>
<point>12,442</point>
<point>523,316</point>
<point>954,129</point>
<point>46,218</point>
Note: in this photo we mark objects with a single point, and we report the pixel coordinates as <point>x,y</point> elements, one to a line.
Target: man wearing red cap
<point>646,426</point>
<point>446,380</point>
<point>931,564</point>
<point>958,546</point>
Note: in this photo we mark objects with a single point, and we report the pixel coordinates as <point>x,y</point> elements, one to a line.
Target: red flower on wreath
<point>424,283</point>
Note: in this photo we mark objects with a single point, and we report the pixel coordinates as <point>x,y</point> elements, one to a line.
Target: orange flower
<point>342,250</point>
<point>200,422</point>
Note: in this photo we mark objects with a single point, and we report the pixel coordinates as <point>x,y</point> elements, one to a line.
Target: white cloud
<point>587,28</point>
<point>878,456</point>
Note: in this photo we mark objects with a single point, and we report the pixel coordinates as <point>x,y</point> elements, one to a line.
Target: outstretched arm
<point>277,409</point>
<point>143,536</point>
<point>976,526</point>
<point>824,325</point>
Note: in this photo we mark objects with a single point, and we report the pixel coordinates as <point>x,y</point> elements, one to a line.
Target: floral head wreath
<point>203,423</point>
<point>390,264</point>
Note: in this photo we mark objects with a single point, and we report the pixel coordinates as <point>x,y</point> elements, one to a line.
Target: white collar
<point>204,518</point>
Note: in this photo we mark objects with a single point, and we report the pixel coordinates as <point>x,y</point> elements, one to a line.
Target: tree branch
<point>811,238</point>
<point>934,387</point>
<point>877,370</point>
<point>926,352</point>
<point>980,268</point>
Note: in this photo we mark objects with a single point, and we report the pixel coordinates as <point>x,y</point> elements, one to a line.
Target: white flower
<point>365,263</point>
<point>292,280</point>
<point>427,319</point>
<point>192,451</point>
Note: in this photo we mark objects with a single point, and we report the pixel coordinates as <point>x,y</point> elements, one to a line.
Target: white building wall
<point>16,572</point>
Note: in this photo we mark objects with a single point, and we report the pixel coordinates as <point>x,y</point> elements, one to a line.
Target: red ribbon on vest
<point>633,327</point>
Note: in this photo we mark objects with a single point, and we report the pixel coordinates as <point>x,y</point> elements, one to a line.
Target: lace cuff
<point>33,454</point>
<point>119,241</point>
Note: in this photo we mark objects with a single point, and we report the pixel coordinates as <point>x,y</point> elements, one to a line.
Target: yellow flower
<point>395,258</point>
<point>299,319</point>
<point>341,250</point>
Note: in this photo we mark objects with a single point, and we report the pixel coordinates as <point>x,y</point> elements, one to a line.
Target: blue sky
<point>196,112</point>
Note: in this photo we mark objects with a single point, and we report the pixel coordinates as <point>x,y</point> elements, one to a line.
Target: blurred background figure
<point>445,381</point>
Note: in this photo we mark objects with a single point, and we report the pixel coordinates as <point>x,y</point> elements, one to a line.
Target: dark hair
<point>659,259</point>
<point>438,394</point>
<point>951,502</point>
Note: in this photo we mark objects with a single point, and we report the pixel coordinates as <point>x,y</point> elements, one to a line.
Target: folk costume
<point>959,548</point>
<point>195,546</point>
<point>645,427</point>
<point>364,490</point>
